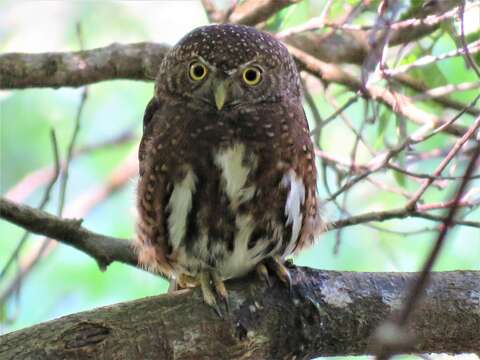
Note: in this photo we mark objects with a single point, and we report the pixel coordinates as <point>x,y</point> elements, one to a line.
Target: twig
<point>417,85</point>
<point>41,206</point>
<point>332,117</point>
<point>399,213</point>
<point>467,51</point>
<point>32,181</point>
<point>430,59</point>
<point>443,164</point>
<point>446,90</point>
<point>398,103</point>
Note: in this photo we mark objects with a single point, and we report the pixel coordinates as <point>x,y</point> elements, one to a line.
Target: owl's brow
<point>205,62</point>
<point>248,63</point>
<point>228,72</point>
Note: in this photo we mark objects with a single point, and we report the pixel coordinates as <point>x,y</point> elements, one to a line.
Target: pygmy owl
<point>227,172</point>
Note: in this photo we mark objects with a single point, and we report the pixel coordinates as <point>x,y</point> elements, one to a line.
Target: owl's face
<point>223,67</point>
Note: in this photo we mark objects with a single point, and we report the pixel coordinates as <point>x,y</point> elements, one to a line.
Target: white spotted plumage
<point>179,205</point>
<point>235,173</point>
<point>295,200</point>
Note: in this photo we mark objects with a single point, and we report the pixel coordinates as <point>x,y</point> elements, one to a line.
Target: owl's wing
<point>152,197</point>
<point>152,107</point>
<point>313,223</point>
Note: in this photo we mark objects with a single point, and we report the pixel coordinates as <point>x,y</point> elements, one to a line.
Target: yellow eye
<point>252,75</point>
<point>197,71</point>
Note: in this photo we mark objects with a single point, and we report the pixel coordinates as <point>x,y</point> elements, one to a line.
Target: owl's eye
<point>197,71</point>
<point>252,75</point>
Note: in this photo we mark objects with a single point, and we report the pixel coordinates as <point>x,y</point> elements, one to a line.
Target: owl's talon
<point>281,272</point>
<point>221,291</point>
<point>209,282</point>
<point>262,273</point>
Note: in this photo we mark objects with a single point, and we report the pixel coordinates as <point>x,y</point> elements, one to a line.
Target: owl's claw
<point>221,291</point>
<point>262,273</point>
<point>207,279</point>
<point>280,270</point>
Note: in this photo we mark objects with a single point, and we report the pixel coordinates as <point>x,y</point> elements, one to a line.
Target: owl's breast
<point>228,213</point>
<point>234,193</point>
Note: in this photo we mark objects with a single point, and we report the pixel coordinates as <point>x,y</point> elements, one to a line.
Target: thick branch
<point>107,249</point>
<point>138,61</point>
<point>102,248</point>
<point>329,313</point>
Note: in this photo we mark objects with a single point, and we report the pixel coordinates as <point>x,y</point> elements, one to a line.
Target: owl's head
<point>226,66</point>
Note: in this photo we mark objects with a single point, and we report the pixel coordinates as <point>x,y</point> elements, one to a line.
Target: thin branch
<point>443,164</point>
<point>104,249</point>
<point>41,206</point>
<point>398,103</point>
<point>430,59</point>
<point>467,51</point>
<point>68,158</point>
<point>443,100</point>
<point>398,213</point>
<point>442,91</point>
<point>37,178</point>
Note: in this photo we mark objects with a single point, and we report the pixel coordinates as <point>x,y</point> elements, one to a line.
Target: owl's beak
<point>220,94</point>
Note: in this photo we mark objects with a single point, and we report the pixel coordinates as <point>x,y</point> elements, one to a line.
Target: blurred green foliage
<point>68,281</point>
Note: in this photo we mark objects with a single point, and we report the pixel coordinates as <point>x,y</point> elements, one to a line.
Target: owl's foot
<point>212,287</point>
<point>183,281</point>
<point>275,266</point>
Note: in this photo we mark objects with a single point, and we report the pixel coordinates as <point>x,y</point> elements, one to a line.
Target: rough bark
<point>139,61</point>
<point>329,313</point>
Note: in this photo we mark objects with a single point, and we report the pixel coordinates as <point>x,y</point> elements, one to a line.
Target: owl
<point>227,180</point>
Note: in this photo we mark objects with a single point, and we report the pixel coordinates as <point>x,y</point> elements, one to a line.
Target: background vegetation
<point>66,281</point>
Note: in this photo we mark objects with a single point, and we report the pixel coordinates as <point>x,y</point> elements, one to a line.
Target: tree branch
<point>139,61</point>
<point>252,12</point>
<point>104,249</point>
<point>329,313</point>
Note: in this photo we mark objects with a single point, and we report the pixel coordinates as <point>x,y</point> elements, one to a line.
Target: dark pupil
<point>198,71</point>
<point>251,75</point>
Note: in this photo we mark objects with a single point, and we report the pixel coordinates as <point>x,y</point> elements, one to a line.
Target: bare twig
<point>443,164</point>
<point>32,181</point>
<point>398,103</point>
<point>399,213</point>
<point>443,100</point>
<point>446,90</point>
<point>467,50</point>
<point>41,206</point>
<point>430,59</point>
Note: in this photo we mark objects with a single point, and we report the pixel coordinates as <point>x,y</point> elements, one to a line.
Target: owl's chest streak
<point>227,212</point>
